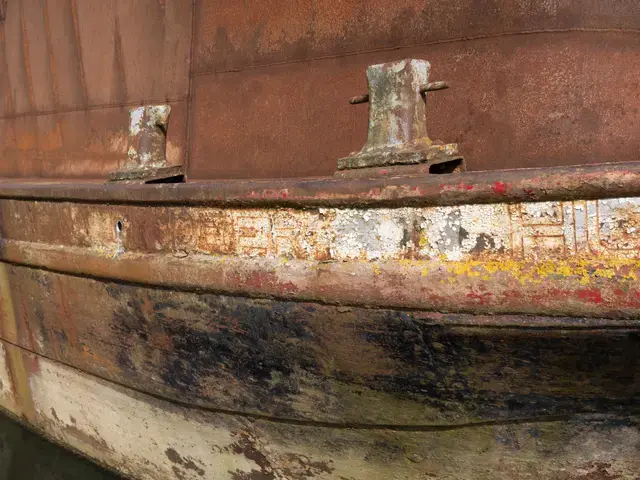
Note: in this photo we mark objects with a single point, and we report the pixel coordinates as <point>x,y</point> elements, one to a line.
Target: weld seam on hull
<point>199,73</point>
<point>105,106</point>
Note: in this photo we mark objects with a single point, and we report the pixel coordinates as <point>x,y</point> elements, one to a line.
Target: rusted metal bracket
<point>146,152</point>
<point>397,128</point>
<point>429,87</point>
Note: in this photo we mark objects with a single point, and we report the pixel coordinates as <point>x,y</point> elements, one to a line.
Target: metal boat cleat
<point>397,134</point>
<point>146,150</point>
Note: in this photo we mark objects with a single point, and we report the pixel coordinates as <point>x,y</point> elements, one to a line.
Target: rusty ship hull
<point>375,328</point>
<point>382,323</point>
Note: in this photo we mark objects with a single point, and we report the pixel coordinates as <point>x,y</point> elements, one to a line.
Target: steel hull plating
<point>260,89</point>
<point>457,326</point>
<point>451,326</point>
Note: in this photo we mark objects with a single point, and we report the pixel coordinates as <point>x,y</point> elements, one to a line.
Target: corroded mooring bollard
<point>397,126</point>
<point>146,150</point>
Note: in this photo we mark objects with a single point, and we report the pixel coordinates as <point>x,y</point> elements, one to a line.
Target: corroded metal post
<point>146,151</point>
<point>397,128</point>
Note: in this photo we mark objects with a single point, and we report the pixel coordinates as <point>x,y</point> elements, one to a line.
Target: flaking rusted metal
<point>236,323</point>
<point>146,152</point>
<point>428,87</point>
<point>257,322</point>
<point>397,130</point>
<point>89,61</point>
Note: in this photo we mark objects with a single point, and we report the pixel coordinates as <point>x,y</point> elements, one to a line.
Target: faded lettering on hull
<point>575,258</point>
<point>546,230</point>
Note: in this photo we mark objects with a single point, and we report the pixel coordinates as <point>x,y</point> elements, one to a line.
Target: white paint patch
<point>135,120</point>
<point>457,232</point>
<point>534,230</point>
<point>371,234</point>
<point>619,223</point>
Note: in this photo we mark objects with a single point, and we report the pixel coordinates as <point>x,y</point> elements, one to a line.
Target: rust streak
<point>8,95</point>
<point>52,67</point>
<point>190,113</point>
<point>52,63</point>
<point>27,60</point>
<point>76,28</point>
<point>122,94</point>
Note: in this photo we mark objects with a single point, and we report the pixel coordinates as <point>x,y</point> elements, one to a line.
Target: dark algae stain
<point>290,466</point>
<point>246,446</point>
<point>266,355</point>
<point>495,371</point>
<point>184,462</point>
<point>260,348</point>
<point>484,242</point>
<point>303,467</point>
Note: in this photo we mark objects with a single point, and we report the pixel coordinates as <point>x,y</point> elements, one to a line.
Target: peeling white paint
<point>457,232</point>
<point>158,115</point>
<point>133,434</point>
<point>6,385</point>
<point>585,228</point>
<point>135,120</point>
<point>371,234</point>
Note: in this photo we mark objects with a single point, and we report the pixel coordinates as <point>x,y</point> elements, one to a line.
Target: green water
<point>25,456</point>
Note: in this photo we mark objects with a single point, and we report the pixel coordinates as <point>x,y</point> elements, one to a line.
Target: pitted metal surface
<point>472,326</point>
<point>252,325</point>
<point>70,71</point>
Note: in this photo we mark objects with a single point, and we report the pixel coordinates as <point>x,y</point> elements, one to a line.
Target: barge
<point>198,281</point>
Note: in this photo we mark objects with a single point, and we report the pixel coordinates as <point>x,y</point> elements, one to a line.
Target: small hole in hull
<point>119,226</point>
